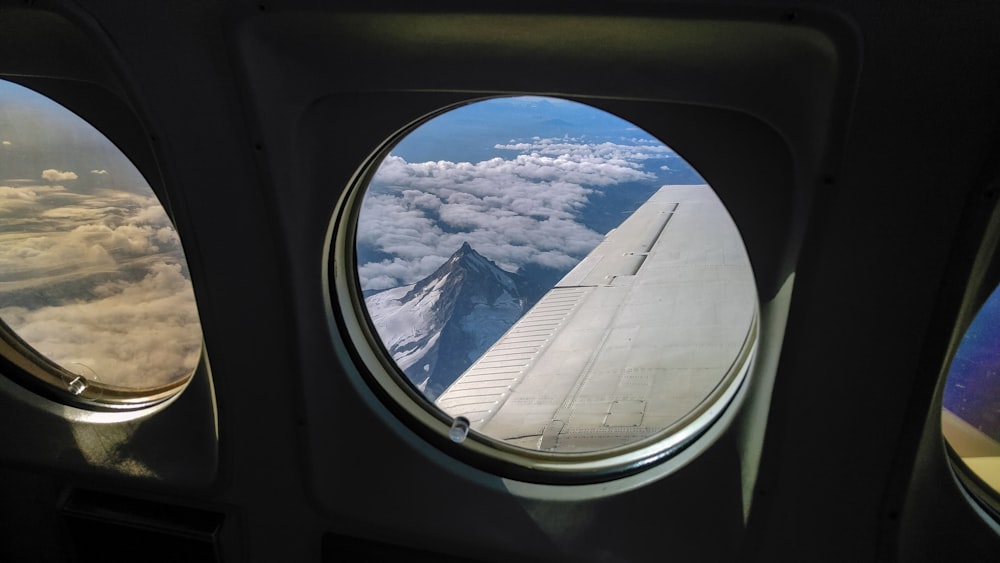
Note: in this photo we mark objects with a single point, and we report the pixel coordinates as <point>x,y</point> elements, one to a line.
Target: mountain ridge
<point>435,328</point>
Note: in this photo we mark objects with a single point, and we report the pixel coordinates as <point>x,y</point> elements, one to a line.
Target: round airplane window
<point>970,410</point>
<point>555,286</point>
<point>95,297</point>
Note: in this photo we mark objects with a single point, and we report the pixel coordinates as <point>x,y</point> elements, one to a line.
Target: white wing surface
<point>643,335</point>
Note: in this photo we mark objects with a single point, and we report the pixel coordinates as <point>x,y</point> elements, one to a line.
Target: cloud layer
<point>516,211</point>
<point>53,175</point>
<point>97,283</point>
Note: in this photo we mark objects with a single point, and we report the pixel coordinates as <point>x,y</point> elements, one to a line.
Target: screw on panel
<point>83,375</point>
<point>76,386</point>
<point>459,429</point>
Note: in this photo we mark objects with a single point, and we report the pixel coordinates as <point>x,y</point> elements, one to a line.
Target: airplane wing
<point>643,335</point>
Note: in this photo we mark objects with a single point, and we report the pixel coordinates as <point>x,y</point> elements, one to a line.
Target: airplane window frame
<point>973,281</point>
<point>979,492</point>
<point>390,384</point>
<point>25,366</point>
<point>977,489</point>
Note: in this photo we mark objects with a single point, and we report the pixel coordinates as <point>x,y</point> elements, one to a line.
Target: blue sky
<point>38,134</point>
<point>972,390</point>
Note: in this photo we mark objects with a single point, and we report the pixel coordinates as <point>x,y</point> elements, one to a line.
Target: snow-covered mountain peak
<point>434,329</point>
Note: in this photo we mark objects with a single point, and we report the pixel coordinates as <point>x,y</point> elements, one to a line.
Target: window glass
<point>971,404</point>
<point>95,294</point>
<point>553,276</point>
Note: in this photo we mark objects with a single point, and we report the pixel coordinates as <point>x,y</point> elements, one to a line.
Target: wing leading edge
<point>638,338</point>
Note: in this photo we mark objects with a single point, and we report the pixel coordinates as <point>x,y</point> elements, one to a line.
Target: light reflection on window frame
<point>76,383</point>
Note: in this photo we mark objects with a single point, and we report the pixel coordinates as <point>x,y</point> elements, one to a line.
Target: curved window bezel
<point>980,282</point>
<point>24,365</point>
<point>981,492</point>
<point>421,415</point>
<point>51,380</point>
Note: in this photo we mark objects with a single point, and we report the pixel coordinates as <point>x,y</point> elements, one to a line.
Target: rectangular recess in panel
<point>103,527</point>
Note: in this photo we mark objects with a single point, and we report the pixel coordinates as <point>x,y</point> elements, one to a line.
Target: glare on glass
<point>93,280</point>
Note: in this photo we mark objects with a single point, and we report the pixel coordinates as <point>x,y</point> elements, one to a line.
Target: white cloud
<point>19,198</point>
<point>516,211</point>
<point>53,175</point>
<point>102,171</point>
<point>636,149</point>
<point>6,143</point>
<point>132,334</point>
<point>96,280</point>
<point>62,231</point>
